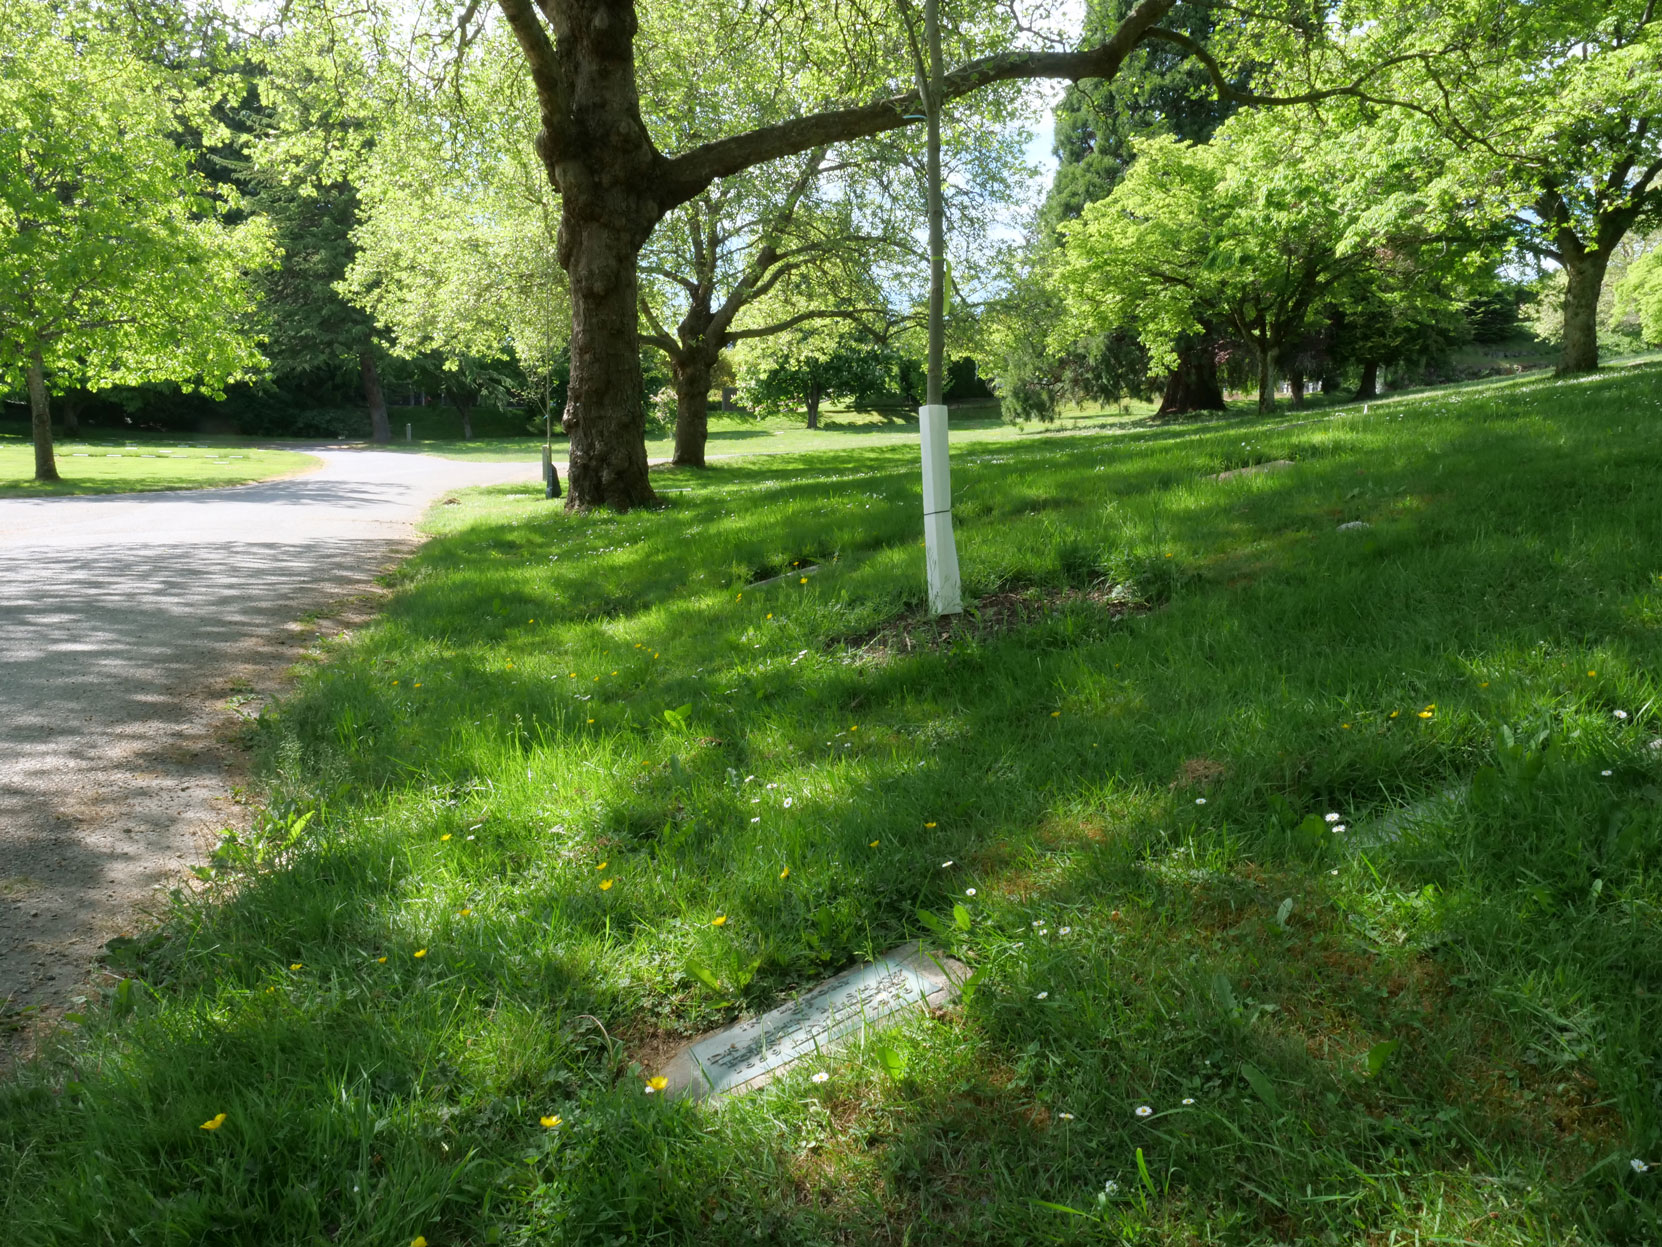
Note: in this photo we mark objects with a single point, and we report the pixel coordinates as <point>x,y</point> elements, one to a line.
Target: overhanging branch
<point>688,174</point>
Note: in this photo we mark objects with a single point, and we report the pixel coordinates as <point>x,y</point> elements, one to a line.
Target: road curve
<point>128,626</point>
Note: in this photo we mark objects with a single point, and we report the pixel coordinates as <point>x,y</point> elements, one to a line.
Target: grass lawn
<point>111,465</point>
<point>1339,851</point>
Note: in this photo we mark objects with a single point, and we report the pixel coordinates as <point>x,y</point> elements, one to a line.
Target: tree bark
<point>815,392</point>
<point>69,411</point>
<point>1266,382</point>
<point>467,420</point>
<point>40,421</point>
<point>1584,280</point>
<point>1193,384</point>
<point>604,417</point>
<point>692,409</point>
<point>1296,381</point>
<point>380,429</point>
<point>1368,386</point>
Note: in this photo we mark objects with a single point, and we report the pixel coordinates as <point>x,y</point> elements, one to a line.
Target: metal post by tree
<point>940,551</point>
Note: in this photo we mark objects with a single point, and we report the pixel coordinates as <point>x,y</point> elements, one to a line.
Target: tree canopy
<point>119,261</point>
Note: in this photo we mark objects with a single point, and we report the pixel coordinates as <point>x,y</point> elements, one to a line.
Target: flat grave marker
<point>881,993</point>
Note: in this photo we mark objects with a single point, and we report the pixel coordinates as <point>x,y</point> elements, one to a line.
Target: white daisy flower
<point>946,863</point>
<point>1607,772</point>
<point>1042,996</point>
<point>757,819</point>
<point>1144,1110</point>
<point>1332,818</point>
<point>820,1077</point>
<point>1064,1116</point>
<point>1338,828</point>
<point>1188,1100</point>
<point>969,891</point>
<point>1065,931</point>
<point>1200,800</point>
<point>1620,714</point>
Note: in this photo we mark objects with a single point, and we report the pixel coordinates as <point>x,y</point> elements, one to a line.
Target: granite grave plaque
<point>868,997</point>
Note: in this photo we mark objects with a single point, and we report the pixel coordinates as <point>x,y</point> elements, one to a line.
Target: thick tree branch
<point>545,76</point>
<point>689,173</point>
<point>765,331</point>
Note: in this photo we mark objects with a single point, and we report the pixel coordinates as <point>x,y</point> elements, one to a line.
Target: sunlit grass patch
<point>104,466</point>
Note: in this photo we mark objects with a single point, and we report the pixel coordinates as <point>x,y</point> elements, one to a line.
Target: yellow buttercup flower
<point>929,824</point>
<point>445,836</point>
<point>803,581</point>
<point>874,844</point>
<point>1425,714</point>
<point>1345,726</point>
<point>214,1122</point>
<point>606,885</point>
<point>464,913</point>
<point>1395,713</point>
<point>549,1122</point>
<point>295,965</point>
<point>1056,714</point>
<point>380,961</point>
<point>658,1082</point>
<point>785,872</point>
<point>720,920</point>
<point>602,866</point>
<point>421,952</point>
<point>418,1241</point>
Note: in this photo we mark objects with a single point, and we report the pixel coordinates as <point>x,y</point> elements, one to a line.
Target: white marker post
<point>940,551</point>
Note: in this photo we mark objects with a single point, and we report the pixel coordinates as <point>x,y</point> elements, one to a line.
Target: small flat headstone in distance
<point>810,570</point>
<point>1256,469</point>
<point>899,984</point>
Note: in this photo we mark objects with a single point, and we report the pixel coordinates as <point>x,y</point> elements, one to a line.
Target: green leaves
<point>1380,1055</point>
<point>1261,1085</point>
<point>138,274</point>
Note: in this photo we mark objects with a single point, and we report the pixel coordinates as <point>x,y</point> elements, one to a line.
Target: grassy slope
<point>118,466</point>
<point>385,1009</point>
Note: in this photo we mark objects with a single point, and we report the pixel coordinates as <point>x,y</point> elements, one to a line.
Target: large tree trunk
<point>467,420</point>
<point>40,421</point>
<point>1584,280</point>
<point>692,410</point>
<point>380,430</point>
<point>813,396</point>
<point>1193,384</point>
<point>1368,386</point>
<point>1296,381</point>
<point>604,417</point>
<point>1266,382</point>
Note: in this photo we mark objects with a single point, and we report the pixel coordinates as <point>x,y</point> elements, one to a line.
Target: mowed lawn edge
<point>1301,831</point>
<point>100,469</point>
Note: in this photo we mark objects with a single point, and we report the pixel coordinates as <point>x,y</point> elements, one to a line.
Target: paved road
<point>127,623</point>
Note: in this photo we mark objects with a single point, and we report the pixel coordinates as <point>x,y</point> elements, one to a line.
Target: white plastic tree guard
<point>940,551</point>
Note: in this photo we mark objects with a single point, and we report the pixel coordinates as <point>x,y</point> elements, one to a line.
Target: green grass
<point>1450,1033</point>
<point>112,465</point>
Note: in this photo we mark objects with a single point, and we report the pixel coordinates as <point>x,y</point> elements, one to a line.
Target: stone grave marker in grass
<point>898,985</point>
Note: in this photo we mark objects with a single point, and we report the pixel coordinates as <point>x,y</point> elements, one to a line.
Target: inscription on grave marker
<point>864,998</point>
